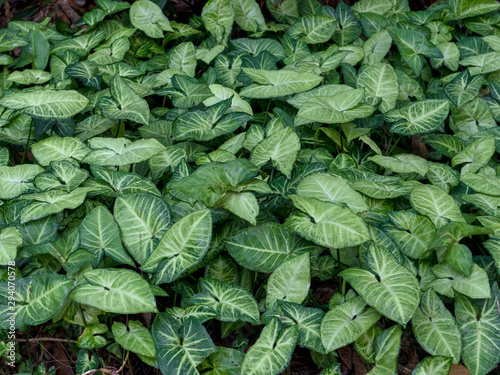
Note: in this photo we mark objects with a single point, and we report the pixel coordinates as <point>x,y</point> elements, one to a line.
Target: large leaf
<point>147,16</point>
<point>264,247</point>
<point>332,189</point>
<point>37,299</point>
<point>180,346</point>
<point>420,117</point>
<point>476,285</point>
<point>115,290</point>
<point>326,224</point>
<point>402,163</point>
<point>51,202</point>
<point>10,240</point>
<point>272,351</point>
<point>59,148</point>
<point>99,233</point>
<point>182,247</point>
<point>387,286</point>
<point>247,15</point>
<point>290,281</point>
<point>281,148</point>
<point>124,103</point>
<point>345,323</point>
<point>435,328</point>
<point>381,86</point>
<point>276,83</point>
<point>436,204</point>
<point>143,220</point>
<point>412,233</point>
<point>340,108</point>
<point>18,180</point>
<point>218,18</point>
<point>230,302</point>
<point>480,328</point>
<point>313,29</point>
<point>121,151</point>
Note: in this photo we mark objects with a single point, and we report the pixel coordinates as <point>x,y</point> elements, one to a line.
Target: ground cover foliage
<point>180,192</point>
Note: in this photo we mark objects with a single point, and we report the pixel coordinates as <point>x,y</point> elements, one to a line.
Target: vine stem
<point>27,143</point>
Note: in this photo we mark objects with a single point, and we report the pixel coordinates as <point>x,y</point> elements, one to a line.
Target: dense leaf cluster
<point>151,166</point>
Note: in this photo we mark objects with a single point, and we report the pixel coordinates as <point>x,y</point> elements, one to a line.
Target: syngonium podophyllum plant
<point>215,172</point>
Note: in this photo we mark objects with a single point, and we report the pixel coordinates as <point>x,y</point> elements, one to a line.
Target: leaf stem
<point>27,143</point>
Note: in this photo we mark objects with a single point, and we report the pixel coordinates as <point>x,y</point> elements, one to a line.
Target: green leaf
<point>134,337</point>
<point>463,88</point>
<point>29,77</point>
<point>313,29</point>
<point>276,83</point>
<point>281,147</point>
<point>402,163</point>
<point>435,327</point>
<point>326,224</point>
<point>465,8</point>
<point>80,45</point>
<point>115,290</point>
<point>248,16</point>
<point>435,365</point>
<point>345,323</point>
<point>87,72</point>
<point>224,361</point>
<point>37,297</point>
<point>349,28</point>
<point>477,154</point>
<point>99,233</point>
<point>339,108</point>
<point>180,346</point>
<point>290,281</point>
<point>332,189</point>
<point>481,183</point>
<point>244,205</point>
<point>143,220</point>
<point>204,125</point>
<point>436,204</point>
<point>480,326</point>
<point>387,346</point>
<point>51,202</point>
<point>124,103</point>
<point>18,180</point>
<point>230,302</point>
<point>182,57</point>
<point>264,247</point>
<point>46,104</point>
<point>10,241</point>
<point>218,18</point>
<point>381,86</point>
<point>121,151</point>
<point>412,233</point>
<point>379,190</point>
<point>387,286</point>
<point>272,351</point>
<point>182,247</point>
<point>148,17</point>
<point>59,148</point>
<point>308,322</point>
<point>476,285</point>
<point>420,117</point>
